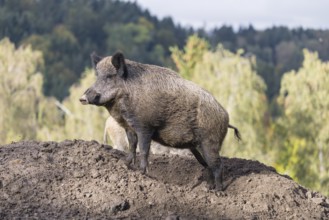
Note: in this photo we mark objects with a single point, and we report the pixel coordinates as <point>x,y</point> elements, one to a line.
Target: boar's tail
<point>236,132</point>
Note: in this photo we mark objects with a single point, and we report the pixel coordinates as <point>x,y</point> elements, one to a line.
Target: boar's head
<point>110,72</point>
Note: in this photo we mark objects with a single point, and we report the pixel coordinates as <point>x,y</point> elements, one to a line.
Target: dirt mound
<point>80,179</point>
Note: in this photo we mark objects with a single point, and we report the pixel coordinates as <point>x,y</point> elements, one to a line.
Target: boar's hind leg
<point>132,139</point>
<point>199,157</point>
<point>144,142</point>
<point>212,158</point>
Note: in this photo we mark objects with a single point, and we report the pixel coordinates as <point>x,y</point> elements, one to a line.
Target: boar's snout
<point>90,97</point>
<point>84,100</point>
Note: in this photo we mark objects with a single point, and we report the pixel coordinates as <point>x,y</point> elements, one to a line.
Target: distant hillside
<point>68,31</point>
<point>278,49</point>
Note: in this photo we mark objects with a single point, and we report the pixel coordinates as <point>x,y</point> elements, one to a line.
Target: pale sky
<point>260,13</point>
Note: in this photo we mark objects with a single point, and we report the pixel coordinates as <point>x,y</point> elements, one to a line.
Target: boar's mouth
<point>94,100</point>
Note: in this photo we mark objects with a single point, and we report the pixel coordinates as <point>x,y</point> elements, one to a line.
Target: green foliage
<point>304,102</point>
<point>231,79</point>
<point>187,59</point>
<point>24,109</point>
<point>134,40</point>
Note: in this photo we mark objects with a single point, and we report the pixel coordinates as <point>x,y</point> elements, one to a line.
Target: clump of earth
<point>86,180</point>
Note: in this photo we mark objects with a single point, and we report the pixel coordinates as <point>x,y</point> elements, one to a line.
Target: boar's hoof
<point>128,165</point>
<point>215,186</point>
<point>219,187</point>
<point>144,164</point>
<point>131,158</point>
<point>144,170</point>
<point>211,186</point>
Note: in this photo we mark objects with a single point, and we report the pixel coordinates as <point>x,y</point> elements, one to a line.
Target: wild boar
<point>155,103</point>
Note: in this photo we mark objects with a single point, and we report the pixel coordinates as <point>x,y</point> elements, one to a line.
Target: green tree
<point>135,39</point>
<point>187,59</point>
<point>304,124</point>
<point>24,109</point>
<point>129,37</point>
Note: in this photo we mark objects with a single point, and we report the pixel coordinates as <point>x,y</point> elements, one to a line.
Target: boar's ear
<point>118,61</point>
<point>95,59</point>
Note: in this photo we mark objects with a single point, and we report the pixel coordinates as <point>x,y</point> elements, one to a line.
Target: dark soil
<point>85,180</point>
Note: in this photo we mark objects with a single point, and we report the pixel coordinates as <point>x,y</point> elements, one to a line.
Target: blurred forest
<point>274,82</point>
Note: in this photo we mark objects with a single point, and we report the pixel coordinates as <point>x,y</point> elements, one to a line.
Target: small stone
<point>288,209</point>
<point>318,201</point>
<point>113,178</point>
<point>78,174</point>
<point>88,195</point>
<point>5,196</point>
<point>220,193</point>
<point>133,179</point>
<point>15,188</point>
<point>212,200</point>
<point>94,173</point>
<point>309,194</point>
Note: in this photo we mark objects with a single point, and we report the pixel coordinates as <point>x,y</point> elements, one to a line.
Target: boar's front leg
<point>144,143</point>
<point>132,139</point>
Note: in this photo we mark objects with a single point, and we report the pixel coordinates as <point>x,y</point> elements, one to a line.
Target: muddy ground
<point>85,180</point>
